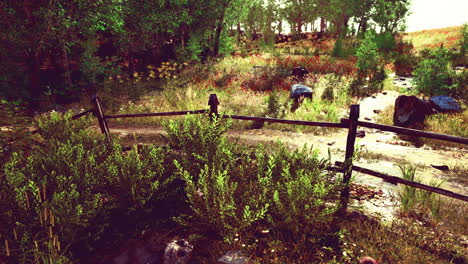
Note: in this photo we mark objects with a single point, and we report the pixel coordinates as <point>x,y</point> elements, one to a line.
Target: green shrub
<point>432,76</point>
<point>417,202</point>
<point>245,192</point>
<point>55,194</point>
<point>338,51</point>
<point>385,42</point>
<point>367,55</point>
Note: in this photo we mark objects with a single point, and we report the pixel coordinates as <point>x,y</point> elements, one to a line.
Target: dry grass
<point>432,38</point>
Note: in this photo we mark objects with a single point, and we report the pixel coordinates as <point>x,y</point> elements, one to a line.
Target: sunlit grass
<point>433,38</point>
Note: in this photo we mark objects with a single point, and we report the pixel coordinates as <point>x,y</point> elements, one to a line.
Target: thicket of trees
<point>61,47</point>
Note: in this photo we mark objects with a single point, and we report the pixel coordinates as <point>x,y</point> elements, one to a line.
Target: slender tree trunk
<point>34,67</point>
<point>323,25</point>
<point>66,67</point>
<point>219,29</point>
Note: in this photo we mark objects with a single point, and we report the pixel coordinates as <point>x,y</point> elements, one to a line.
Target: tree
<point>367,56</point>
<point>390,15</point>
<point>300,12</point>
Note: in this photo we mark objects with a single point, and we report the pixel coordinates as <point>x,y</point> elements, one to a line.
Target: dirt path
<point>380,150</point>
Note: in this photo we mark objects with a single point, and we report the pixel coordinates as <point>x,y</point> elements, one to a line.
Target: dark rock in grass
<point>377,111</point>
<point>384,93</point>
<point>441,167</point>
<point>331,143</point>
<point>360,133</point>
<point>299,73</point>
<point>444,104</point>
<point>410,111</point>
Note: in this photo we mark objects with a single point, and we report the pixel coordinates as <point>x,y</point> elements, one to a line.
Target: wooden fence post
<point>100,116</point>
<point>213,103</point>
<point>348,164</point>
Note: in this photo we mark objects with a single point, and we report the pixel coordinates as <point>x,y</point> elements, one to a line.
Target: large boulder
<point>410,111</point>
<point>443,103</point>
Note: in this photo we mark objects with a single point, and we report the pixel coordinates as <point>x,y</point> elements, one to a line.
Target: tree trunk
<point>323,25</point>
<point>65,67</point>
<point>35,92</point>
<point>219,29</point>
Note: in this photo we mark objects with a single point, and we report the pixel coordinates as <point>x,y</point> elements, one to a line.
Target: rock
<point>331,143</point>
<point>298,90</point>
<point>367,119</point>
<point>367,260</point>
<point>299,73</point>
<point>361,134</point>
<point>178,252</point>
<point>234,257</point>
<point>441,167</point>
<point>444,103</point>
<point>410,111</point>
<point>377,111</point>
<point>384,93</point>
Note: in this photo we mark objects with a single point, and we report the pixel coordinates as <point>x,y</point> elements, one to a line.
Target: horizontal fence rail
<point>157,114</point>
<point>350,123</point>
<point>411,132</point>
<point>285,121</point>
<point>396,180</point>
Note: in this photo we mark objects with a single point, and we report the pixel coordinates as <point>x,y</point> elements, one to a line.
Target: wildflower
<point>110,78</point>
<point>185,63</point>
<point>150,67</point>
<point>118,76</point>
<point>135,74</point>
<point>243,245</point>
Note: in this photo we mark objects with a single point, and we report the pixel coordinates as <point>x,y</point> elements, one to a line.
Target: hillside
<point>432,38</point>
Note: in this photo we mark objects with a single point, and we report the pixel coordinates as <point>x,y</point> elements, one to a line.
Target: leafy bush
<point>338,51</point>
<point>243,192</point>
<point>367,55</point>
<point>385,42</point>
<point>53,196</point>
<point>432,76</point>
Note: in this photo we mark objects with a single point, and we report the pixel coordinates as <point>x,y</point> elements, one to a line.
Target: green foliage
<point>432,76</point>
<point>416,201</point>
<point>338,51</point>
<point>367,55</point>
<point>239,192</point>
<point>385,42</point>
<point>58,191</point>
<point>274,107</point>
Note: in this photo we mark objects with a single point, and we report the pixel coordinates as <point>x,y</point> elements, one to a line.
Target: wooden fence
<point>350,123</point>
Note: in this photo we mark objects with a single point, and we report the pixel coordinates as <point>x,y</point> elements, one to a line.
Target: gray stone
<point>298,90</point>
<point>234,257</point>
<point>444,103</point>
<point>178,252</point>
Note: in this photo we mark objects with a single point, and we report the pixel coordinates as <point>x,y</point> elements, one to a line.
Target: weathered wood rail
<point>351,123</point>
